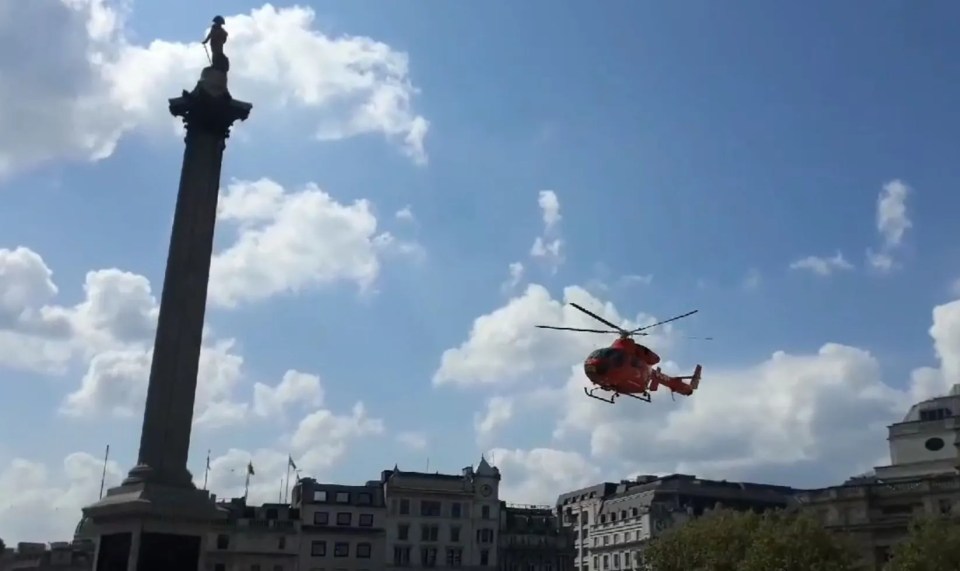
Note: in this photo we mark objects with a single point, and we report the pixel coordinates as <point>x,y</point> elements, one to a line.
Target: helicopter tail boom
<point>695,380</point>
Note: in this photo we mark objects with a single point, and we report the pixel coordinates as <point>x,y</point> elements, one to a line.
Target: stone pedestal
<point>157,520</point>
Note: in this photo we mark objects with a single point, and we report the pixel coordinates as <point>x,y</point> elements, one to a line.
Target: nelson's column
<point>157,520</point>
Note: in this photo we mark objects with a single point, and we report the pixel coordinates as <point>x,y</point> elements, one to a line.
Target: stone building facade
<point>442,520</point>
<point>611,523</point>
<point>531,539</point>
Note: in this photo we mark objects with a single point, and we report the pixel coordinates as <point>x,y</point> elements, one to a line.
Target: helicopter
<point>626,368</point>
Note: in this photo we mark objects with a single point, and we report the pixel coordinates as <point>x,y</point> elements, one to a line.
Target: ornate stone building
<point>875,510</point>
<point>611,523</point>
<point>532,539</point>
<point>442,520</point>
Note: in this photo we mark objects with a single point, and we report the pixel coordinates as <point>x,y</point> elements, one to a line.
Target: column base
<point>150,527</point>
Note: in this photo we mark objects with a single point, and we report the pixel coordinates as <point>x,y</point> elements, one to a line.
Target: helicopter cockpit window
<point>609,355</point>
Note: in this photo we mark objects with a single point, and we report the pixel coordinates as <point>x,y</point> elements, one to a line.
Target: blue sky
<point>701,148</point>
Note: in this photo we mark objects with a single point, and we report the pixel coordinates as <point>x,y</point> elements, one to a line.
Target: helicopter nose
<point>594,368</point>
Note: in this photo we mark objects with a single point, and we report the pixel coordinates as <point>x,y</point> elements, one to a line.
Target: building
<point>875,510</point>
<point>612,522</point>
<point>58,556</point>
<point>343,527</point>
<point>531,539</point>
<point>925,442</point>
<point>254,538</point>
<point>442,520</point>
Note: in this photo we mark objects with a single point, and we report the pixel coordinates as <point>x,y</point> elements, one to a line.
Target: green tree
<point>726,540</point>
<point>933,545</point>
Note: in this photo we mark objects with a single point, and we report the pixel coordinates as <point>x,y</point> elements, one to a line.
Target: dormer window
<point>935,414</point>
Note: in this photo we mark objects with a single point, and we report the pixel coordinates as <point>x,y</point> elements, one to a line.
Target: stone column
<point>157,519</point>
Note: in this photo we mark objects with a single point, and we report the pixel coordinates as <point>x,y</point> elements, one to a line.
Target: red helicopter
<point>627,367</point>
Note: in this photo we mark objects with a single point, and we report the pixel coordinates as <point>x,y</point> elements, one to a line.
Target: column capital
<point>210,107</point>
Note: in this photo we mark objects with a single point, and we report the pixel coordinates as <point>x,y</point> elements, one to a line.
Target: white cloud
<point>795,417</point>
<point>322,437</point>
<point>516,271</point>
<point>505,345</point>
<point>822,266</point>
<point>294,390</point>
<point>76,94</point>
<point>40,504</point>
<point>549,246</point>
<point>550,207</point>
<point>892,224</point>
<point>413,440</point>
<point>538,476</point>
<point>499,411</point>
<point>289,241</point>
<point>405,213</point>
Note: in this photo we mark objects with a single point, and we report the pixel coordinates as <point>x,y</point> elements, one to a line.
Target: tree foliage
<point>726,540</point>
<point>933,545</point>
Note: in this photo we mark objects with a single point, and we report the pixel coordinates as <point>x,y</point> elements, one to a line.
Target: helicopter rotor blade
<point>598,318</point>
<point>575,329</point>
<point>644,328</point>
<point>700,338</point>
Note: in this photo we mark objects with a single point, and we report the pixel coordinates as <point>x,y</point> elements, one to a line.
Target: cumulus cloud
<point>51,496</point>
<point>822,266</point>
<point>74,95</point>
<point>290,241</point>
<point>802,418</point>
<point>549,246</point>
<point>537,476</point>
<point>892,224</point>
<point>505,345</point>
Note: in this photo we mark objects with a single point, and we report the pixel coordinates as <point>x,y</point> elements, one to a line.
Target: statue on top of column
<point>216,38</point>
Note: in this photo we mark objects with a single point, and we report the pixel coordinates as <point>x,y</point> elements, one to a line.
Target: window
<point>343,497</point>
<point>320,496</point>
<point>603,518</point>
<point>616,560</point>
<point>455,510</point>
<point>365,520</point>
<point>404,507</point>
<point>318,548</point>
<point>223,541</point>
<point>282,542</point>
<point>429,532</point>
<point>484,557</point>
<point>933,444</point>
<point>634,512</point>
<point>485,512</point>
<point>344,518</point>
<point>613,517</point>
<point>403,531</point>
<point>364,499</point>
<point>364,550</point>
<point>428,556</point>
<point>606,540</point>
<point>321,518</point>
<point>430,508</point>
<point>401,556</point>
<point>484,536</point>
<point>616,538</point>
<point>935,414</point>
<point>455,533</point>
<point>341,549</point>
<point>623,514</point>
<point>606,561</point>
<point>454,556</point>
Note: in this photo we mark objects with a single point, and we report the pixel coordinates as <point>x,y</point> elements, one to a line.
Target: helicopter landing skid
<point>645,397</point>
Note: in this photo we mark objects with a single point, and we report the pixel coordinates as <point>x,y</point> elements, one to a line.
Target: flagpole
<point>103,477</point>
<point>280,492</point>
<point>206,472</point>
<point>286,484</point>
<point>246,485</point>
